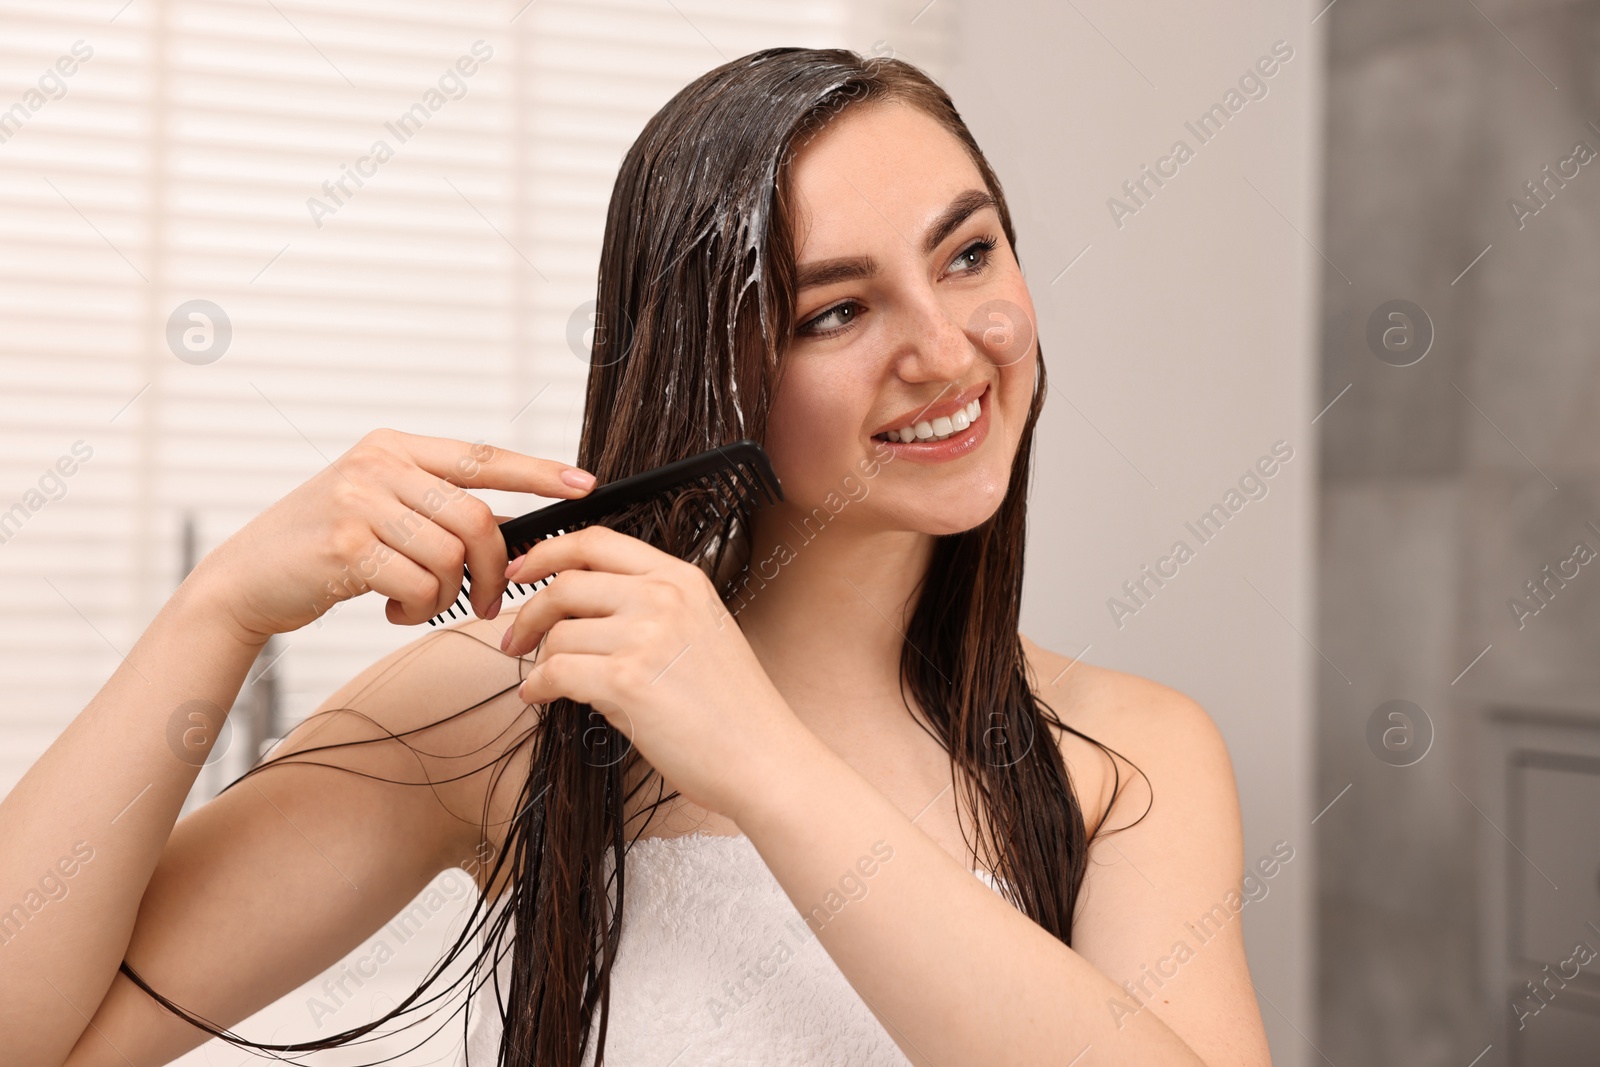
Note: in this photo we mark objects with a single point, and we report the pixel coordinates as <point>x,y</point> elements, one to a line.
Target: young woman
<point>796,791</point>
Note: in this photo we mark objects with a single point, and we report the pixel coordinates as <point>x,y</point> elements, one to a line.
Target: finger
<point>591,548</point>
<point>566,674</point>
<point>457,513</point>
<point>588,636</point>
<point>572,594</point>
<point>494,609</point>
<point>483,466</point>
<point>412,589</point>
<point>428,545</point>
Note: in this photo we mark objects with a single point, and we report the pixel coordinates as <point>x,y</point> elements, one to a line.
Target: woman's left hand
<point>642,637</point>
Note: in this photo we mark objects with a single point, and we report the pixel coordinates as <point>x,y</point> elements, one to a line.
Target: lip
<point>952,447</point>
<point>934,411</point>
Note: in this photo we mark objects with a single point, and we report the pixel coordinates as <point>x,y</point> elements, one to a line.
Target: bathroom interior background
<point>1202,310</point>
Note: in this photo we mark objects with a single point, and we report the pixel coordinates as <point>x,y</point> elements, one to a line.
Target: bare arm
<point>275,880</point>
<point>102,799</point>
<point>959,976</point>
<point>85,855</point>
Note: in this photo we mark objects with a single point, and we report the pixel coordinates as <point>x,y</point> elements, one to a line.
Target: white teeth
<point>936,429</point>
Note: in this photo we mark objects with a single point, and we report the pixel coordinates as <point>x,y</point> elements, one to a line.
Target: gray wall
<point>1449,483</point>
<point>1181,345</point>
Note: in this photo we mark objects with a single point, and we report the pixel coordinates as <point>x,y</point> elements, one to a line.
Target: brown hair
<point>694,308</point>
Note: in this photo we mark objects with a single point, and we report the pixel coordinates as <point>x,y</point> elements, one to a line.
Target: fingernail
<point>578,479</point>
<point>512,566</point>
<point>505,640</point>
<point>494,609</point>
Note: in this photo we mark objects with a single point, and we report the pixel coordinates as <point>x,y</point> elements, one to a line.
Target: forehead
<point>883,168</point>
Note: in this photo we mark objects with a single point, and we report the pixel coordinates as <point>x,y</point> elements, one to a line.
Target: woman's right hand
<point>392,515</point>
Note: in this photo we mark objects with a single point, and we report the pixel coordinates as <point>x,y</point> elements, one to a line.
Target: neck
<point>826,609</point>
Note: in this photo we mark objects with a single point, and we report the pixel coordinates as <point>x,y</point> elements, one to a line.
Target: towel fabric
<point>716,966</point>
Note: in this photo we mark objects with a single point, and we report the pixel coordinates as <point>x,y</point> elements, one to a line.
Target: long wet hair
<point>694,308</point>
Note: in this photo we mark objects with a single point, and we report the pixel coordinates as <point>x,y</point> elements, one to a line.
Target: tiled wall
<point>1450,483</point>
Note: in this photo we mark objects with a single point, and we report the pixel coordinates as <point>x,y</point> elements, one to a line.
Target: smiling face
<point>912,316</point>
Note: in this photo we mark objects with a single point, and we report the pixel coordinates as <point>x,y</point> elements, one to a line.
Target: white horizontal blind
<point>211,150</point>
<point>325,186</point>
<point>75,235</point>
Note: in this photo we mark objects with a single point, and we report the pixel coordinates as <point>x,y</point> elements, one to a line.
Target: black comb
<point>739,476</point>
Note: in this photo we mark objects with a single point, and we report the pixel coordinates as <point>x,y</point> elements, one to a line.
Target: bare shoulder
<point>439,722</point>
<point>1171,850</point>
<point>1160,739</point>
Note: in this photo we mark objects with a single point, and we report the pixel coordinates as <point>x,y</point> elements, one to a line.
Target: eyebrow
<point>854,268</point>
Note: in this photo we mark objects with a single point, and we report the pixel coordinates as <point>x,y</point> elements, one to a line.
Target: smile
<point>939,429</point>
<point>953,433</point>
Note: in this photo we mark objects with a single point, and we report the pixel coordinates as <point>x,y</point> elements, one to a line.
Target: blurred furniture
<point>1540,792</point>
<point>255,721</point>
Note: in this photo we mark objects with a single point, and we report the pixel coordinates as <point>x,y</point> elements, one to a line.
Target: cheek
<point>811,419</point>
<point>813,413</point>
<point>784,423</point>
<point>1016,389</point>
<point>1016,366</point>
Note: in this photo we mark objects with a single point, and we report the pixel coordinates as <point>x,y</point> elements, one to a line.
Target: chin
<point>970,512</point>
<point>954,502</point>
<point>943,529</point>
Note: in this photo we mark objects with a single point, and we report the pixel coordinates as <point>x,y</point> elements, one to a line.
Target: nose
<point>937,346</point>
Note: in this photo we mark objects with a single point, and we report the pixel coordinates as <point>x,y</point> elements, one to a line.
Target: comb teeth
<point>751,483</point>
<point>738,476</point>
<point>463,602</point>
<point>712,511</point>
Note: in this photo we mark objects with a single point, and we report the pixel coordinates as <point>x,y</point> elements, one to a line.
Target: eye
<point>977,254</point>
<point>841,314</point>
